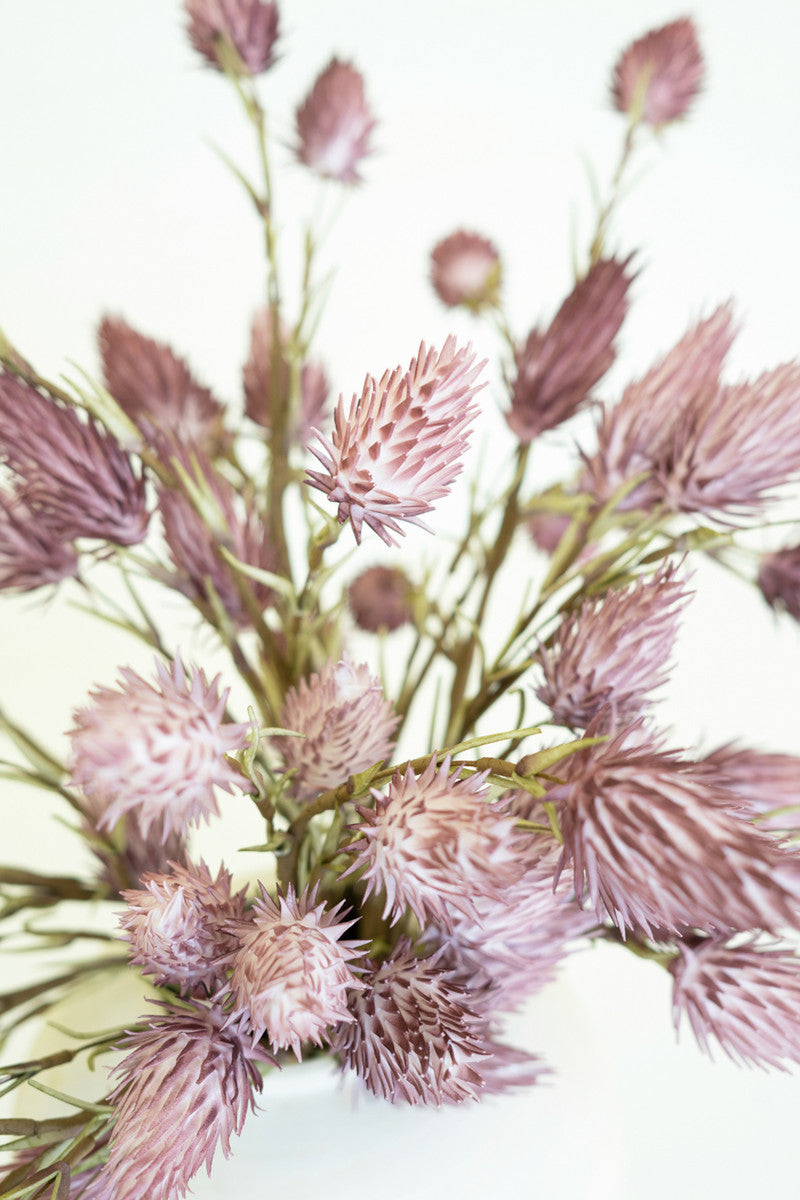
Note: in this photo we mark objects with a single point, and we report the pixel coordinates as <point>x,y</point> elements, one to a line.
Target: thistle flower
<point>334,124</point>
<point>767,786</point>
<point>260,383</point>
<point>128,854</point>
<point>186,1085</point>
<point>32,555</point>
<point>71,474</point>
<point>779,580</point>
<point>435,844</point>
<point>659,847</point>
<point>657,77</point>
<point>346,723</point>
<point>292,973</point>
<point>379,599</point>
<point>610,654</point>
<point>156,750</point>
<point>178,926</point>
<point>249,26</point>
<point>744,995</point>
<point>466,270</point>
<point>398,447</point>
<point>157,390</point>
<point>558,367</point>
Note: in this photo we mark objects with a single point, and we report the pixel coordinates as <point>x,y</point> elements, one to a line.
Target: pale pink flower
<point>466,269</point>
<point>558,366</point>
<point>346,722</point>
<point>177,924</point>
<point>398,447</point>
<point>187,1085</point>
<point>32,555</point>
<point>436,844</point>
<point>779,580</point>
<point>292,972</point>
<point>743,995</point>
<point>610,654</point>
<point>127,853</point>
<point>249,26</point>
<point>69,472</point>
<point>264,386</point>
<point>156,750</point>
<point>767,786</point>
<point>380,598</point>
<point>334,123</point>
<point>657,77</point>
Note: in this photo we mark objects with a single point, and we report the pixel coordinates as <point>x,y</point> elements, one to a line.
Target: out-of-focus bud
<point>234,35</point>
<point>779,580</point>
<point>466,270</point>
<point>658,76</point>
<point>379,598</point>
<point>334,124</point>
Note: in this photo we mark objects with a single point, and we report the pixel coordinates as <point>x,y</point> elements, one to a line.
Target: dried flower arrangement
<point>406,902</point>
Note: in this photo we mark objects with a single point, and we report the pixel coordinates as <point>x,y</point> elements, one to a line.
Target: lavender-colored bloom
<point>178,926</point>
<point>436,844</point>
<point>558,367</point>
<point>334,123</point>
<point>249,26</point>
<point>292,972</point>
<point>466,270</point>
<point>779,579</point>
<point>346,722</point>
<point>127,854</point>
<point>308,410</point>
<point>187,1084</point>
<point>156,750</point>
<point>657,77</point>
<point>32,555</point>
<point>743,995</point>
<point>767,786</point>
<point>398,447</point>
<point>611,654</point>
<point>379,598</point>
<point>70,473</point>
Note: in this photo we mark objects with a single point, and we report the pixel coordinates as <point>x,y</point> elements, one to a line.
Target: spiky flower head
<point>265,387</point>
<point>657,77</point>
<point>435,843</point>
<point>766,785</point>
<point>346,722</point>
<point>32,555</point>
<point>379,598</point>
<point>610,654</point>
<point>466,270</point>
<point>156,750</point>
<point>743,995</point>
<point>334,123</point>
<point>70,473</point>
<point>398,447</point>
<point>178,926</point>
<point>779,580</point>
<point>558,366</point>
<point>249,27</point>
<point>186,1086</point>
<point>292,972</point>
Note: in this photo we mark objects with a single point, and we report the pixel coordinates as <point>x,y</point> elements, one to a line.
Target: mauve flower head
<point>69,472</point>
<point>766,785</point>
<point>32,555</point>
<point>250,27</point>
<point>156,750</point>
<point>435,844</point>
<point>558,367</point>
<point>742,994</point>
<point>127,853</point>
<point>158,391</point>
<point>186,1086</point>
<point>334,124</point>
<point>661,848</point>
<point>546,529</point>
<point>779,580</point>
<point>292,972</point>
<point>657,77</point>
<point>178,926</point>
<point>346,722</point>
<point>379,598</point>
<point>466,270</point>
<point>306,411</point>
<point>609,655</point>
<point>399,446</point>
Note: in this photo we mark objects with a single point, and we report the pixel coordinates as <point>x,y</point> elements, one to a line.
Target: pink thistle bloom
<point>346,722</point>
<point>779,580</point>
<point>134,853</point>
<point>70,473</point>
<point>249,26</point>
<point>466,269</point>
<point>310,411</point>
<point>558,367</point>
<point>657,77</point>
<point>417,1038</point>
<point>609,655</point>
<point>398,447</point>
<point>292,972</point>
<point>157,751</point>
<point>177,926</point>
<point>157,390</point>
<point>660,847</point>
<point>766,786</point>
<point>436,845</point>
<point>334,123</point>
<point>379,598</point>
<point>187,1085</point>
<point>32,555</point>
<point>745,996</point>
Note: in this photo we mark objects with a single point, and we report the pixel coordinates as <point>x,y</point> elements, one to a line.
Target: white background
<point>111,200</point>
